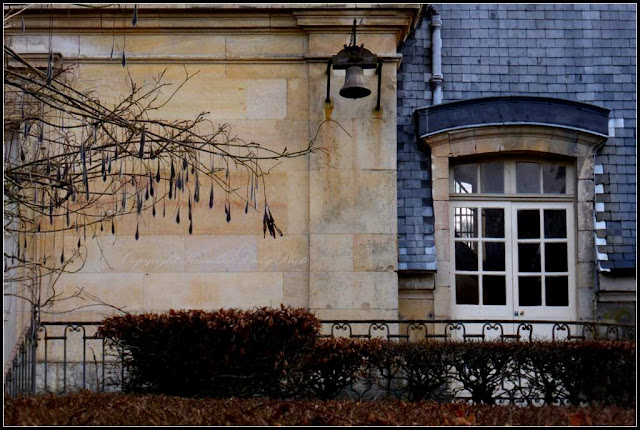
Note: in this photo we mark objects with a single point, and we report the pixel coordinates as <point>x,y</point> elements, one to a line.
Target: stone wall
<point>263,71</point>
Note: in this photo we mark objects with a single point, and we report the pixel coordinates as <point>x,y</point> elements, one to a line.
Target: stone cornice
<point>251,18</point>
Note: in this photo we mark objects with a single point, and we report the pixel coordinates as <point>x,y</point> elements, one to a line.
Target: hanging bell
<point>354,87</point>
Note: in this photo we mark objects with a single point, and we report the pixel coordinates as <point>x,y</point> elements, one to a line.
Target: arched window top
<point>512,110</point>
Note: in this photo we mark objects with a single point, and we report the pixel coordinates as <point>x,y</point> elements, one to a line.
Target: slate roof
<point>582,52</point>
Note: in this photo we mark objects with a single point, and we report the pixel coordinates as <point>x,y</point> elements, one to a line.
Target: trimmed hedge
<point>229,352</point>
<point>278,353</point>
<point>112,409</point>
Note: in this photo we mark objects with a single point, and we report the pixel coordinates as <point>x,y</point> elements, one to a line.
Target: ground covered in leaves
<point>126,409</point>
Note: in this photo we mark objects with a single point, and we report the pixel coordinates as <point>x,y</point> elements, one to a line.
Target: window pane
<point>467,290</point>
<point>466,255</point>
<point>554,179</point>
<point>557,291</point>
<point>492,177</point>
<point>528,224</point>
<point>494,290</point>
<point>493,222</point>
<point>555,223</point>
<point>465,178</point>
<point>493,256</point>
<point>466,222</point>
<point>529,257</point>
<point>529,291</point>
<point>555,257</point>
<point>527,177</point>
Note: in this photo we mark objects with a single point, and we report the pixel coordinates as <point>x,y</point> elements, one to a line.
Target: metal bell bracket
<point>354,55</point>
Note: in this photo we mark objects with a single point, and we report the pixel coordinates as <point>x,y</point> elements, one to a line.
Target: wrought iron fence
<point>482,330</point>
<point>60,357</point>
<point>20,371</point>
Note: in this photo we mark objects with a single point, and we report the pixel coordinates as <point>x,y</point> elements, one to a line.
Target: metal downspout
<point>436,55</point>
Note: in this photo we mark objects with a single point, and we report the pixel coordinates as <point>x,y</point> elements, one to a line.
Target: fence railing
<point>59,357</point>
<point>20,371</point>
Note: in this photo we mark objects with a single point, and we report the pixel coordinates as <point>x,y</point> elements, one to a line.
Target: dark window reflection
<point>493,256</point>
<point>555,223</point>
<point>465,178</point>
<point>467,290</point>
<point>493,222</point>
<point>556,290</point>
<point>528,224</point>
<point>527,177</point>
<point>554,179</point>
<point>555,257</point>
<point>529,291</point>
<point>466,255</point>
<point>529,257</point>
<point>494,290</point>
<point>492,177</point>
<point>466,222</point>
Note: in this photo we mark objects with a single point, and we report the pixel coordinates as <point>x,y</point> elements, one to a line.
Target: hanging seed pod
<point>48,168</point>
<point>22,156</point>
<point>185,164</point>
<point>50,67</point>
<point>113,45</point>
<point>151,188</point>
<point>124,199</point>
<point>62,257</point>
<point>58,174</point>
<point>246,207</point>
<point>143,138</point>
<point>193,169</point>
<point>120,172</point>
<point>164,208</point>
<point>189,208</point>
<point>27,129</point>
<point>134,20</point>
<point>153,209</point>
<point>211,197</point>
<point>124,59</point>
<point>191,228</point>
<point>229,214</point>
<point>23,26</point>
<point>38,229</point>
<point>158,173</point>
<point>101,226</point>
<point>78,242</point>
<point>139,201</point>
<point>68,217</point>
<point>51,212</point>
<point>146,193</point>
<point>104,169</point>
<point>137,233</point>
<point>178,217</point>
<point>187,177</point>
<point>113,227</point>
<point>170,189</point>
<point>109,164</point>
<point>115,153</point>
<point>83,157</point>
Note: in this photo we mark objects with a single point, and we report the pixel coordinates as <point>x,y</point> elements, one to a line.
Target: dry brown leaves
<point>120,409</point>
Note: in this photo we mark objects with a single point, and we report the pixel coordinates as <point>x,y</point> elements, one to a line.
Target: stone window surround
<point>516,140</point>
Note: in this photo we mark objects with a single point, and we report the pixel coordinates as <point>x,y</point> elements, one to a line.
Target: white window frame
<point>511,201</point>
